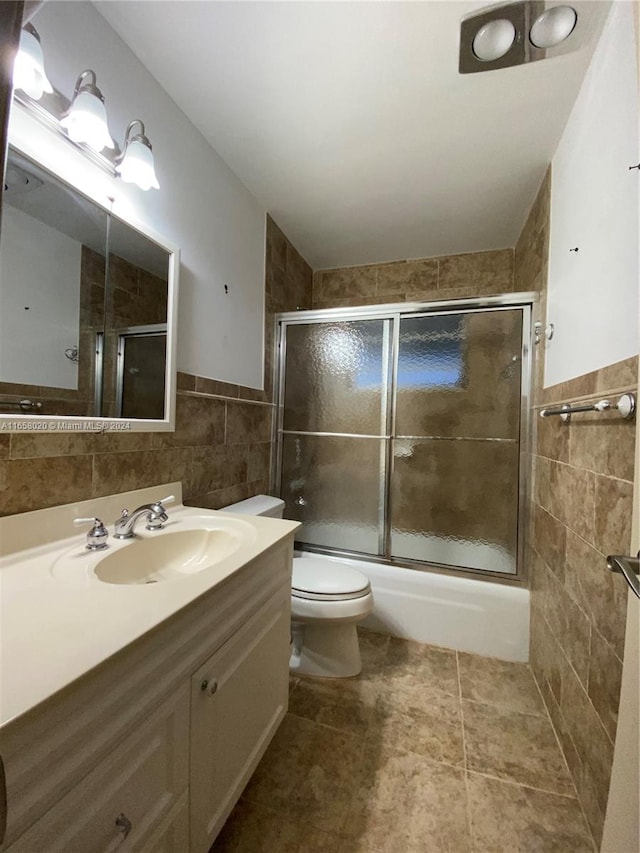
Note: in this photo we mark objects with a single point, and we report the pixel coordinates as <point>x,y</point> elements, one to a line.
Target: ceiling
<point>350,124</point>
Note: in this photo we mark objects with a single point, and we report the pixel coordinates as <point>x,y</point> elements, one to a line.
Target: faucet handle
<point>97,536</point>
<point>168,500</point>
<point>158,515</point>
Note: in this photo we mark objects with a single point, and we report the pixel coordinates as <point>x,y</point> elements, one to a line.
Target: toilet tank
<point>258,505</point>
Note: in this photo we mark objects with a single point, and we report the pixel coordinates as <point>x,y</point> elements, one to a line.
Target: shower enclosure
<point>401,430</point>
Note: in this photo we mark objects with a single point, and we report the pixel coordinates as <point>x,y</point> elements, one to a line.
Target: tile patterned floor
<point>428,750</point>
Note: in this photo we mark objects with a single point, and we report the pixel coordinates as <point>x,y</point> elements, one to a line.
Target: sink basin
<point>167,557</point>
<point>156,557</point>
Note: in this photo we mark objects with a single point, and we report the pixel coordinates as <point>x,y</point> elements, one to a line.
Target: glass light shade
<point>137,166</point>
<point>87,122</point>
<point>493,40</point>
<point>553,26</point>
<point>28,68</point>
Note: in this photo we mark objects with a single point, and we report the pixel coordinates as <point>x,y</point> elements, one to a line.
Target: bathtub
<point>460,613</point>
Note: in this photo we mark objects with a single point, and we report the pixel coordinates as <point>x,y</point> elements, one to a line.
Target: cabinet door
<point>238,698</point>
<point>127,796</point>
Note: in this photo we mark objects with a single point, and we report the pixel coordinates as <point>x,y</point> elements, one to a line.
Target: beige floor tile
<point>409,664</point>
<point>252,828</point>
<point>426,722</point>
<point>308,770</point>
<point>508,818</point>
<point>405,803</point>
<point>332,703</point>
<point>517,747</point>
<point>498,682</point>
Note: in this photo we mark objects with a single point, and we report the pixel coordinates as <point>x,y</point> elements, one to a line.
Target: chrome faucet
<point>156,516</point>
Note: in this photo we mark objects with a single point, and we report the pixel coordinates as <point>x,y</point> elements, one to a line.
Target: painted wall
<point>39,302</point>
<point>593,293</point>
<point>202,206</point>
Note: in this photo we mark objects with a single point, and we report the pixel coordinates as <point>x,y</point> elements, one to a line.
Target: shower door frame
<point>394,312</point>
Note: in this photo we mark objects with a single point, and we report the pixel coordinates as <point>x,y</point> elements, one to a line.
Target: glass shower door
<point>334,432</point>
<point>454,487</point>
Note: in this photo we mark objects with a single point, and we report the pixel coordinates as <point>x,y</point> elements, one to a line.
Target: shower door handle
<point>627,566</point>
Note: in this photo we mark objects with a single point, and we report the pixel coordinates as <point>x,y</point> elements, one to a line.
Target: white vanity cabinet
<point>238,698</point>
<point>150,751</point>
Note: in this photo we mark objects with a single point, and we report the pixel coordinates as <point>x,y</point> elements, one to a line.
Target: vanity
<point>139,689</point>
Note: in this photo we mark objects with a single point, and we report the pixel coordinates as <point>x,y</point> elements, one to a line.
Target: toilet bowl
<point>328,599</point>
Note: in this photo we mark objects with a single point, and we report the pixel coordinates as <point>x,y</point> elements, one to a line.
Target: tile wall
<point>428,279</point>
<point>580,510</point>
<point>220,449</point>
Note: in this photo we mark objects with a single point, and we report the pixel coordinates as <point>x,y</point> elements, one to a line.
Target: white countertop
<point>56,626</point>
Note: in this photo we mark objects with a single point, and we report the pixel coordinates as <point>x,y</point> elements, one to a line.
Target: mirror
<point>87,319</point>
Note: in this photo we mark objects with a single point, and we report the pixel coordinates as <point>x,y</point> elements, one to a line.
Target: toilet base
<point>327,650</point>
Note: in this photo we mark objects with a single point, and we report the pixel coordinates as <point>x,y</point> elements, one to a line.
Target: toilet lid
<point>315,578</point>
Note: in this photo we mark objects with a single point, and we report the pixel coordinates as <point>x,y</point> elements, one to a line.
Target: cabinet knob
<point>124,824</point>
<point>212,686</point>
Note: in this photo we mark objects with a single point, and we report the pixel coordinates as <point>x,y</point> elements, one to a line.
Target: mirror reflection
<point>83,305</point>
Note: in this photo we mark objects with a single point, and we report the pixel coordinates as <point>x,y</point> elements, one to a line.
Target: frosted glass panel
<point>334,375</point>
<point>459,375</point>
<point>332,486</point>
<point>456,503</point>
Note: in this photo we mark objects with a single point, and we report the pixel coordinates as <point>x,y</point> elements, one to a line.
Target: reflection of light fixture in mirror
<point>553,26</point>
<point>86,120</point>
<point>136,166</point>
<point>494,39</point>
<point>28,67</point>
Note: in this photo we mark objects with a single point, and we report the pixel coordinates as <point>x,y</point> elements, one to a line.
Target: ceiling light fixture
<point>518,33</point>
<point>494,40</point>
<point>86,120</point>
<point>28,67</point>
<point>136,165</point>
<point>553,26</point>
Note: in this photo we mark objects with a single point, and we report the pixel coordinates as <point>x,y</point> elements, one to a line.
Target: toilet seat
<point>324,580</point>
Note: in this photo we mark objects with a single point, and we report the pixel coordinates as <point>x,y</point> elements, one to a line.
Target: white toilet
<point>328,599</point>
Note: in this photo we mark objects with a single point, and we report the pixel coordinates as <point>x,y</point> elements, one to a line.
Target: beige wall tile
<point>485,272</point>
<point>348,283</point>
<point>604,444</point>
<point>605,677</point>
<point>550,539</point>
<point>123,472</point>
<point>601,594</point>
<point>406,277</point>
<point>591,740</point>
<point>27,484</point>
<point>572,497</point>
<point>247,422</point>
<point>623,375</point>
<point>218,467</point>
<point>613,513</point>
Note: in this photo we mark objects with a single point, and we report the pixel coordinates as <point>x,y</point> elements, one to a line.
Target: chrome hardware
<point>300,501</point>
<point>23,405</point>
<point>156,516</point>
<point>124,824</point>
<point>543,332</point>
<point>626,407</point>
<point>97,536</point>
<point>627,566</point>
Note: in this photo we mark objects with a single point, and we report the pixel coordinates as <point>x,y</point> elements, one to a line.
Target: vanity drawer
<point>128,795</point>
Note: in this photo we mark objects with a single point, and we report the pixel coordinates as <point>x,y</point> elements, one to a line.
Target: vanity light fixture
<point>86,120</point>
<point>515,33</point>
<point>28,68</point>
<point>135,165</point>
